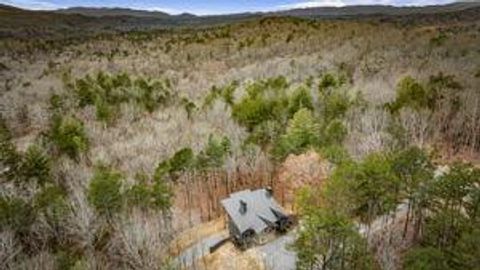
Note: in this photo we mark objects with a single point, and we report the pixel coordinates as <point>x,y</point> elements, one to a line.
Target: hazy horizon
<point>213,7</point>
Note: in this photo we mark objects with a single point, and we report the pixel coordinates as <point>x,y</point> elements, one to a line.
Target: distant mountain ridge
<point>103,11</point>
<point>358,10</point>
<point>366,10</point>
<point>80,21</point>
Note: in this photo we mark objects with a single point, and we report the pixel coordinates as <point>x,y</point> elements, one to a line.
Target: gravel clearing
<point>278,255</point>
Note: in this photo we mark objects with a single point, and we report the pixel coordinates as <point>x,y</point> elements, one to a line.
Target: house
<point>253,214</point>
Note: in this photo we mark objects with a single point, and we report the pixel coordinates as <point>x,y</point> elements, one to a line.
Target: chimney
<point>243,207</point>
<point>269,191</point>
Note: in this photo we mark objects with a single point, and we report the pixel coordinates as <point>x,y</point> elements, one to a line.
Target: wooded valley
<point>114,143</point>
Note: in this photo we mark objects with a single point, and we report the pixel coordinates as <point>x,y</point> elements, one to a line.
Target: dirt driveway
<point>274,255</point>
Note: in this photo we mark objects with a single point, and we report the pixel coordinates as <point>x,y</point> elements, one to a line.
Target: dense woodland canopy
<point>114,144</point>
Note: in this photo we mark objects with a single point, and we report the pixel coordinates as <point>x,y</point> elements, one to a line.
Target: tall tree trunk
<point>407,220</point>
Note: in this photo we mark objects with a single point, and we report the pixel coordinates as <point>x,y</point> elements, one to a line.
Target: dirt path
<point>188,257</point>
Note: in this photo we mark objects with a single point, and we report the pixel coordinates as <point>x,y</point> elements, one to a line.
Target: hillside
<point>378,10</point>
<point>119,135</point>
<point>100,12</point>
<point>82,21</point>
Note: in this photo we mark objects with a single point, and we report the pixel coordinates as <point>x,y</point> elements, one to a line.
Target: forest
<point>114,146</point>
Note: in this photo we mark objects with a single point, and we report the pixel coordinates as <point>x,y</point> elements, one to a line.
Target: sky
<point>207,7</point>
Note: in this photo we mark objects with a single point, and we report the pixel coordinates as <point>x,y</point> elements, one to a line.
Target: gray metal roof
<point>261,209</point>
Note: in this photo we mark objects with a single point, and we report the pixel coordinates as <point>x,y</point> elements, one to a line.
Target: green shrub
<point>56,103</point>
<point>439,40</point>
<point>335,154</point>
<point>182,160</point>
<point>326,82</point>
<point>226,93</point>
<point>211,97</point>
<point>410,93</point>
<point>463,255</point>
<point>300,98</point>
<point>36,166</point>
<point>466,252</point>
<point>104,81</point>
<point>85,92</point>
<point>328,238</point>
<point>278,83</point>
<point>265,133</point>
<point>151,94</point>
<point>441,88</point>
<point>107,92</point>
<point>103,111</point>
<point>413,94</point>
<point>329,82</point>
<point>266,109</point>
<point>147,196</point>
<point>413,166</point>
<point>163,169</point>
<point>375,187</point>
<point>162,195</point>
<point>189,107</point>
<point>214,154</point>
<point>51,201</point>
<point>425,258</point>
<point>335,105</point>
<point>250,112</point>
<point>265,100</point>
<point>104,192</point>
<point>139,195</point>
<point>398,134</point>
<point>302,132</point>
<point>334,133</point>
<point>334,101</point>
<point>67,261</point>
<point>68,135</point>
<point>15,214</point>
<point>450,234</point>
<point>47,196</point>
<point>10,160</point>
